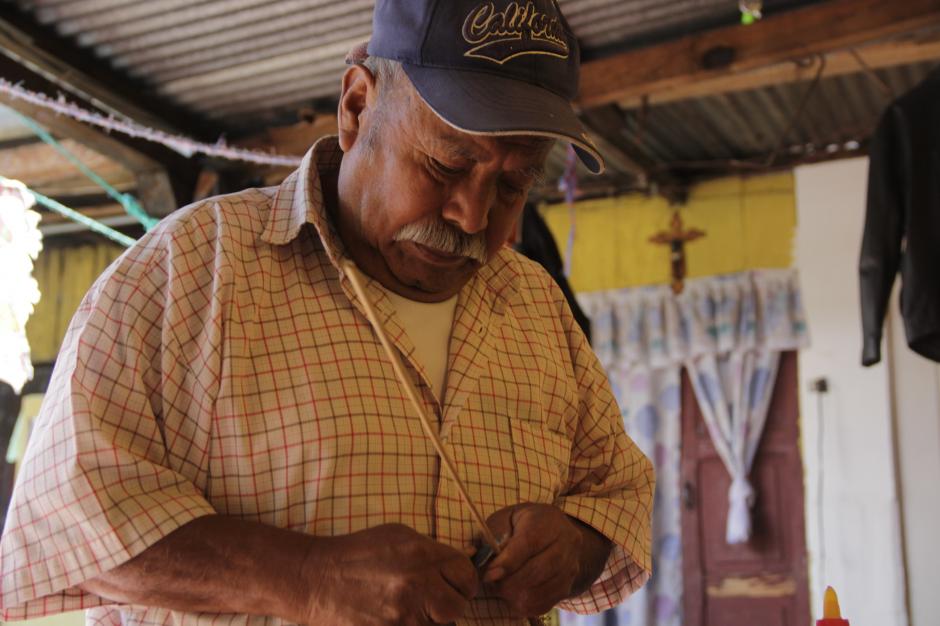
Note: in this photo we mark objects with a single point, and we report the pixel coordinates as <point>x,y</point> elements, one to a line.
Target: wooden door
<point>763,582</point>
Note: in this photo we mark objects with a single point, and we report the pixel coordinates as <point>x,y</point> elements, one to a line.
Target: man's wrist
<point>595,550</point>
<point>305,591</point>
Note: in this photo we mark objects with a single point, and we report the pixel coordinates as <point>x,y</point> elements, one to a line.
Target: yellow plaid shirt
<point>224,365</point>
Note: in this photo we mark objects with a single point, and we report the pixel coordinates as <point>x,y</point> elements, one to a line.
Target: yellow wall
<point>64,275</point>
<point>749,223</point>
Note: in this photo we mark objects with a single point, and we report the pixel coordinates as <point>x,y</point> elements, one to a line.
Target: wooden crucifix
<point>676,239</point>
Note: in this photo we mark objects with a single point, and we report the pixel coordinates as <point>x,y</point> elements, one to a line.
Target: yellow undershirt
<point>429,325</point>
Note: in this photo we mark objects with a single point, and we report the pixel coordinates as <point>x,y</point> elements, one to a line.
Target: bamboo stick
<point>430,429</point>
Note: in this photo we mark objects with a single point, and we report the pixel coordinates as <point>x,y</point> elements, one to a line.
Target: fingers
<point>460,574</point>
<point>447,597</point>
<point>550,564</point>
<point>414,580</point>
<point>526,541</point>
<point>500,522</point>
<point>444,604</point>
<point>539,585</point>
<point>514,557</point>
<point>538,600</point>
<point>540,561</point>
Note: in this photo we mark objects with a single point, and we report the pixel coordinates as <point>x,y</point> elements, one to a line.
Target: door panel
<point>762,582</point>
<point>757,612</point>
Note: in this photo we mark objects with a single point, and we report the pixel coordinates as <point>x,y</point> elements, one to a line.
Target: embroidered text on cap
<point>516,30</point>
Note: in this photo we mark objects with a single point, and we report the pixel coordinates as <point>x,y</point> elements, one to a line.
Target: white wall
<point>917,410</point>
<point>861,542</point>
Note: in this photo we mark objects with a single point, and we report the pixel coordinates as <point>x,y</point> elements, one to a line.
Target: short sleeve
<point>611,482</point>
<point>99,484</point>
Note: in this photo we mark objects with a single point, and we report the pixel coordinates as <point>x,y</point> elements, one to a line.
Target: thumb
<point>501,522</point>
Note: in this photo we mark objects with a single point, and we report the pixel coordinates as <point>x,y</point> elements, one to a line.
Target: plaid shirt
<point>224,365</point>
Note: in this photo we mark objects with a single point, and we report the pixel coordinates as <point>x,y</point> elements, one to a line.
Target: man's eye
<point>444,169</point>
<point>512,189</point>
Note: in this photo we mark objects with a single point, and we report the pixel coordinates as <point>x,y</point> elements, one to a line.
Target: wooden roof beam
<point>683,64</point>
<point>154,188</point>
<point>164,178</point>
<point>875,56</point>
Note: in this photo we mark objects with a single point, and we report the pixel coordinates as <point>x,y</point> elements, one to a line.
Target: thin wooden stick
<point>391,352</point>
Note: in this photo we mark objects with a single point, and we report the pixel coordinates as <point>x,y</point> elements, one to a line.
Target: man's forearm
<point>219,564</point>
<point>595,550</point>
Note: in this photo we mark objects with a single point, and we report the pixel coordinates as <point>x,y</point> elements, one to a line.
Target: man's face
<point>422,205</point>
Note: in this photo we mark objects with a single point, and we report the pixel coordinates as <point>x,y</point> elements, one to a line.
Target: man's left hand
<point>546,557</point>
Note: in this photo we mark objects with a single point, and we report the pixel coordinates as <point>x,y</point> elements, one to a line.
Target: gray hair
<point>389,77</point>
<point>439,235</point>
<point>386,71</point>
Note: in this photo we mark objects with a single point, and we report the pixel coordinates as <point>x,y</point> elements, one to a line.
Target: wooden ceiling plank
<point>682,67</point>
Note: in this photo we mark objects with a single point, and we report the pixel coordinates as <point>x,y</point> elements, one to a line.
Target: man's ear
<point>358,95</point>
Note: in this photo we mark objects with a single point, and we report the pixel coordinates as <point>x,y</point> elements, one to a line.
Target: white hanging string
<point>184,145</point>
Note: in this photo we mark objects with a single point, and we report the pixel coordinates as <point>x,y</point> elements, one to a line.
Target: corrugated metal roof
<point>246,62</point>
<point>232,60</point>
<point>839,114</point>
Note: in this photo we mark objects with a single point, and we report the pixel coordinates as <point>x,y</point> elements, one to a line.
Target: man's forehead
<point>468,146</point>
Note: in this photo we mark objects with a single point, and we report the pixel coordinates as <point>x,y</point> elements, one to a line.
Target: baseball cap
<point>494,67</point>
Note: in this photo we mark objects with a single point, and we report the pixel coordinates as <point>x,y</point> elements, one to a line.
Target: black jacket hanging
<point>538,244</point>
<point>902,225</point>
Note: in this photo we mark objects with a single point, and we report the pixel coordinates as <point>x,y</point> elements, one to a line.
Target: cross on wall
<point>676,238</point>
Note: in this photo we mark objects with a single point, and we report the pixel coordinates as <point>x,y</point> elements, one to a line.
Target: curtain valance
<point>650,327</point>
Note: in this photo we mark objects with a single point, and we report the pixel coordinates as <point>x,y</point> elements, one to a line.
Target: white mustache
<point>439,235</point>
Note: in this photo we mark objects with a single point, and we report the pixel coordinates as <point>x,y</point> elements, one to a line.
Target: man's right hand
<point>217,564</point>
<point>388,575</point>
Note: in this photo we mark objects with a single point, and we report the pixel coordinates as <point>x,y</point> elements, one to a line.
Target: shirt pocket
<point>541,457</point>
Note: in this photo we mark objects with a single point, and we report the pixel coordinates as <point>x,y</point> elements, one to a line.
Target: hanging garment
<point>902,226</point>
<point>538,244</point>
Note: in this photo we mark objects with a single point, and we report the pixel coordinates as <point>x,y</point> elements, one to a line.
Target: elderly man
<point>224,441</point>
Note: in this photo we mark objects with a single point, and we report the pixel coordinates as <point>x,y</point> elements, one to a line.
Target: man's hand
<point>546,558</point>
<point>216,564</point>
<point>389,575</point>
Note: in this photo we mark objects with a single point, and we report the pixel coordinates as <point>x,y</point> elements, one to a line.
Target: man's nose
<point>469,206</point>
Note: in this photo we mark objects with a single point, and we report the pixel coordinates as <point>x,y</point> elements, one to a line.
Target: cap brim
<point>485,104</point>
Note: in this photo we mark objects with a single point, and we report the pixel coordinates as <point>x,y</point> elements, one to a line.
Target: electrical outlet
<point>819,385</point>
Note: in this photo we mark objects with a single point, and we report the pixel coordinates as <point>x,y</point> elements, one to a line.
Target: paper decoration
<point>20,244</point>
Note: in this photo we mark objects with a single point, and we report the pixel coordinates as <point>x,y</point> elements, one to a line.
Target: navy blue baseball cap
<point>490,67</point>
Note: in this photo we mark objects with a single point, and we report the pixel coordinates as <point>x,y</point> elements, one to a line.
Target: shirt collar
<point>299,200</point>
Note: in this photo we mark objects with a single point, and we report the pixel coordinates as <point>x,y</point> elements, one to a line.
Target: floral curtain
<point>733,391</point>
<point>728,331</point>
<point>20,243</point>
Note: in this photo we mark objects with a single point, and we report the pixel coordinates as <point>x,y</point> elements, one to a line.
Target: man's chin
<point>442,284</point>
<point>427,275</point>
<point>435,283</point>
